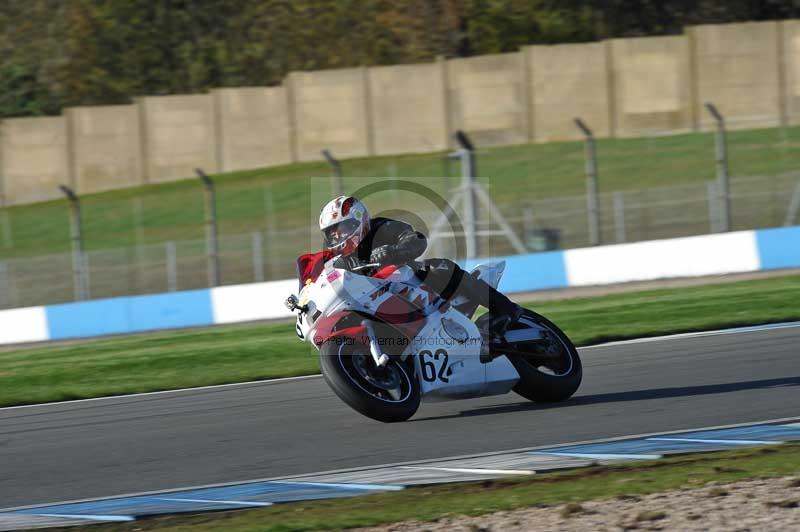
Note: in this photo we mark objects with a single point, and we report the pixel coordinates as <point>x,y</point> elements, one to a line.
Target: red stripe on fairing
<point>396,311</point>
<point>324,328</point>
<point>358,333</point>
<point>385,272</point>
<point>406,317</point>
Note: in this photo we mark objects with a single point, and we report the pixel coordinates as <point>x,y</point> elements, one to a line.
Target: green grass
<point>431,503</point>
<point>180,359</point>
<point>174,211</point>
<point>655,312</point>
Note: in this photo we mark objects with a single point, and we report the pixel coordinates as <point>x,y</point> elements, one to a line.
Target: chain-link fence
<point>658,212</point>
<point>153,239</point>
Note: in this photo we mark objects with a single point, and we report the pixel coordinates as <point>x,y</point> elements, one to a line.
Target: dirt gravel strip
<point>751,505</point>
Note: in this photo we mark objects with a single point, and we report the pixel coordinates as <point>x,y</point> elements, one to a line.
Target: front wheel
<point>389,394</point>
<point>552,371</point>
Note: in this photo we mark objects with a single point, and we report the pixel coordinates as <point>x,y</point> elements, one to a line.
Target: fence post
<point>528,222</point>
<point>5,293</point>
<point>469,171</point>
<point>721,148</point>
<point>172,266</point>
<point>138,230</point>
<point>794,206</point>
<point>79,277</point>
<point>467,196</point>
<point>269,213</point>
<point>138,220</point>
<point>713,215</point>
<point>592,202</point>
<point>87,275</point>
<point>8,239</point>
<point>336,173</point>
<point>258,256</point>
<point>5,225</point>
<point>211,228</point>
<point>619,216</point>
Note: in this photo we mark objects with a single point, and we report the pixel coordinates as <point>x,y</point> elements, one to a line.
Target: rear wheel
<point>389,394</point>
<point>552,371</point>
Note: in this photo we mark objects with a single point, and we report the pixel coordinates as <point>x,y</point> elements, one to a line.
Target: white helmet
<point>344,223</point>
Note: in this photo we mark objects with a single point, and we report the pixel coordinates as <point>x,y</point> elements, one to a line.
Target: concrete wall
<point>34,158</point>
<point>736,68</point>
<point>105,147</point>
<point>179,135</point>
<point>253,127</point>
<point>568,81</point>
<point>791,62</point>
<point>487,98</point>
<point>621,87</point>
<point>408,108</point>
<point>652,85</point>
<point>330,111</point>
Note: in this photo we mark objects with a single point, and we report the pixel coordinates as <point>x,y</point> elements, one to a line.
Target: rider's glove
<point>381,255</point>
<point>348,263</point>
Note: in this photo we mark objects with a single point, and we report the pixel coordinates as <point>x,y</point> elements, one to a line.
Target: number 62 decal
<point>429,370</point>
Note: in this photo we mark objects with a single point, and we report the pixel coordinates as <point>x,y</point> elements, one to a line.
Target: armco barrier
<point>20,325</point>
<point>677,257</point>
<point>130,314</point>
<point>778,248</point>
<point>742,251</point>
<point>250,302</point>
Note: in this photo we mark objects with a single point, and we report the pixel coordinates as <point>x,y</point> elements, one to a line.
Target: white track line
<point>601,456</point>
<point>726,442</point>
<point>114,518</point>
<point>473,471</point>
<point>236,503</point>
<point>345,485</point>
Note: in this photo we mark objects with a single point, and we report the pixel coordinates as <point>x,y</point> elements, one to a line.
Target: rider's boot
<point>504,312</point>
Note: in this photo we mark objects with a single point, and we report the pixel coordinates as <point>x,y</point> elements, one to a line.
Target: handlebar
<point>366,266</point>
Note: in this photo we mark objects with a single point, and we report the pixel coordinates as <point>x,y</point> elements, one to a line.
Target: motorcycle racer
<point>359,240</point>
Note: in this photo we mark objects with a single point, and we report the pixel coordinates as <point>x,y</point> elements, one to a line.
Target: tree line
<point>59,53</point>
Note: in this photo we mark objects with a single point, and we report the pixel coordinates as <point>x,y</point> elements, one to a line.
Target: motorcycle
<point>385,341</point>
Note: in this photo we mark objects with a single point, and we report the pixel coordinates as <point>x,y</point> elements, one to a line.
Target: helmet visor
<point>337,234</point>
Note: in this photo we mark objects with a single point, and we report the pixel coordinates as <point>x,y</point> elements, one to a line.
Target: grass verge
<point>431,503</point>
<point>174,211</point>
<point>181,359</point>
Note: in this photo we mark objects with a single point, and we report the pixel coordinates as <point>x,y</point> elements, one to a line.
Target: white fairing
<point>445,351</point>
<point>491,272</point>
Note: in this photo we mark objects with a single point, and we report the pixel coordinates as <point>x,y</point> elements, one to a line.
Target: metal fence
<point>150,241</point>
<point>628,216</point>
<point>662,212</point>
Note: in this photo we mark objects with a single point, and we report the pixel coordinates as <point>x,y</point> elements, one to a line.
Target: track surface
<point>121,445</point>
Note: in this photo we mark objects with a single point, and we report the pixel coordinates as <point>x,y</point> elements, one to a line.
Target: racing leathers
<point>395,242</point>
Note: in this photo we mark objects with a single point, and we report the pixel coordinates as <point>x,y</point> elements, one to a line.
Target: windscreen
<point>310,265</point>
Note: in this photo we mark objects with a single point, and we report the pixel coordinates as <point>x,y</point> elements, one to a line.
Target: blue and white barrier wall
<point>743,251</point>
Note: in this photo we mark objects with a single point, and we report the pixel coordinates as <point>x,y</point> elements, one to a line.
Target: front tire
<point>544,381</point>
<point>388,394</point>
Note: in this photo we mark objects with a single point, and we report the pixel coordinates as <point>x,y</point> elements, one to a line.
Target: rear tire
<point>344,368</point>
<point>558,384</point>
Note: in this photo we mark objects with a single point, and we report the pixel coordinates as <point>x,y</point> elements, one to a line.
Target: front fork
<point>374,347</point>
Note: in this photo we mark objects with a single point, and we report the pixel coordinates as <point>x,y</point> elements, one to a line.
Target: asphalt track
<point>131,444</point>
